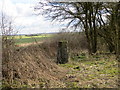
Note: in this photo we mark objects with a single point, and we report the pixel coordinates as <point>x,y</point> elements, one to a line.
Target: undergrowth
<point>97,71</point>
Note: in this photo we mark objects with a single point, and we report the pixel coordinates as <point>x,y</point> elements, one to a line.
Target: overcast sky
<point>23,15</point>
<point>25,20</point>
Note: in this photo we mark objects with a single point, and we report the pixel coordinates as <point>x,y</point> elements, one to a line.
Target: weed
<point>67,65</point>
<point>72,85</point>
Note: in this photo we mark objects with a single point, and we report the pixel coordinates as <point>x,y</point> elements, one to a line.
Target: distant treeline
<point>33,35</point>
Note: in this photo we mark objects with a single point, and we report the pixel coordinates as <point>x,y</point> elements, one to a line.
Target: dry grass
<point>32,67</point>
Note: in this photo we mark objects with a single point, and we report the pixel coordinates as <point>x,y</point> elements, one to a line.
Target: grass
<point>29,39</point>
<point>39,36</point>
<point>93,73</point>
<point>97,71</point>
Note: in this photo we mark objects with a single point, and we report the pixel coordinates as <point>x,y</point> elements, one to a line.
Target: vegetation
<point>88,16</point>
<point>96,72</point>
<point>30,39</point>
<point>93,54</point>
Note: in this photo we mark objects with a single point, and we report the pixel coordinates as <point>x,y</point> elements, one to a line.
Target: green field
<point>29,39</point>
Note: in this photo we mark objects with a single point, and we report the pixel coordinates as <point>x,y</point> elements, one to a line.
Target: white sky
<point>24,18</point>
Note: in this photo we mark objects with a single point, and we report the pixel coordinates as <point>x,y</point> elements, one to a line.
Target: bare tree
<point>8,46</point>
<point>79,15</point>
<point>110,30</point>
